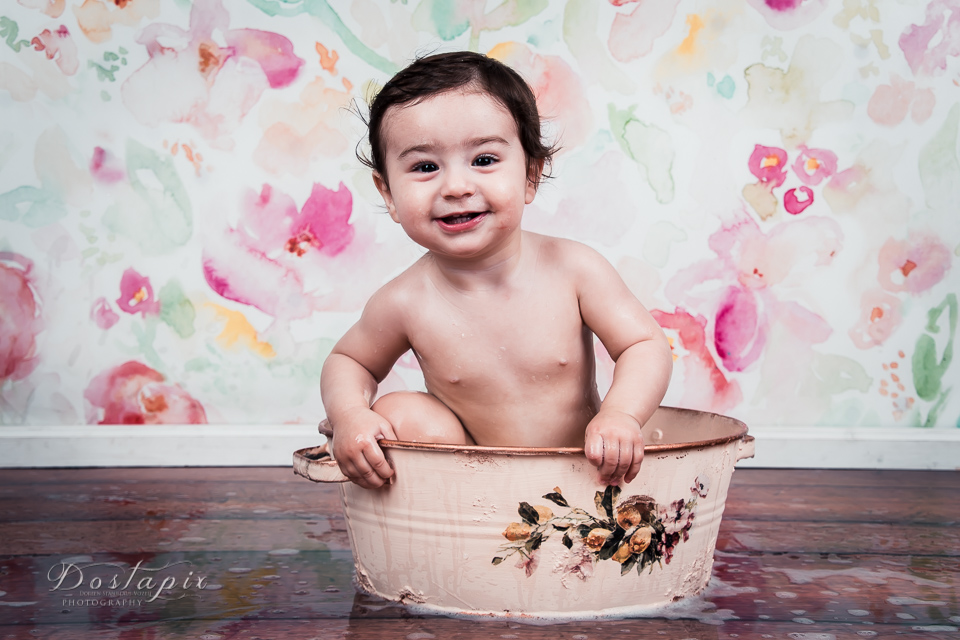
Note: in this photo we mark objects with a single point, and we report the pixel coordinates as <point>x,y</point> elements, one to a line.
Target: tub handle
<point>324,428</point>
<point>316,464</point>
<point>747,448</point>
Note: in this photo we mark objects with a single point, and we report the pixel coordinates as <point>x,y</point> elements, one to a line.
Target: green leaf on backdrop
<point>160,219</point>
<point>176,310</point>
<point>928,370</point>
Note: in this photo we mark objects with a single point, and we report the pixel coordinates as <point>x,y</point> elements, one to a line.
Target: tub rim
<point>740,433</point>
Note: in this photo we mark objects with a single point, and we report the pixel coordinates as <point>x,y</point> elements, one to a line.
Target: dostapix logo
<point>82,582</point>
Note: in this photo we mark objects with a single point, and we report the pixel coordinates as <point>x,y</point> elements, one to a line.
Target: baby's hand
<point>356,448</point>
<point>613,443</point>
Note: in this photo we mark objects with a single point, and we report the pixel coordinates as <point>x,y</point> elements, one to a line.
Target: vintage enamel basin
<point>518,532</point>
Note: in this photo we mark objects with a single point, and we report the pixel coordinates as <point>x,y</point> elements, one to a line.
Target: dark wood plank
<point>846,478</point>
<point>160,536</point>
<point>120,475</point>
<point>828,537</point>
<point>826,503</point>
<point>165,500</point>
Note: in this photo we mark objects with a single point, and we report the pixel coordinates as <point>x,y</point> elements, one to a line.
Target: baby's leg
<point>420,417</point>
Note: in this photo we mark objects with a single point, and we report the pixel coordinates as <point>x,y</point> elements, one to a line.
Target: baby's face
<point>457,173</point>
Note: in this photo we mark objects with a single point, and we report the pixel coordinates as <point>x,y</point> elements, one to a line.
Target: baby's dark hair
<point>442,72</point>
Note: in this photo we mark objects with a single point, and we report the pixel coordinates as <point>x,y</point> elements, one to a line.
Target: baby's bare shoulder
<point>570,256</point>
<point>402,292</point>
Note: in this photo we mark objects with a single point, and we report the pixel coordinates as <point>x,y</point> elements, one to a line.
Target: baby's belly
<point>548,412</point>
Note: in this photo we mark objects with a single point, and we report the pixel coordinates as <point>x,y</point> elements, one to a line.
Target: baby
<point>501,320</point>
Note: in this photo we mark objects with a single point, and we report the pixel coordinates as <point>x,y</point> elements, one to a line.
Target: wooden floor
<point>805,555</point>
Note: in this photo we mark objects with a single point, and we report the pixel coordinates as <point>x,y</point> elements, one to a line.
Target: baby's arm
<point>636,343</point>
<point>348,385</point>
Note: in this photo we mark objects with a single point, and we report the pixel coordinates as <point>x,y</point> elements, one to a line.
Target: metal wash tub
<point>524,532</point>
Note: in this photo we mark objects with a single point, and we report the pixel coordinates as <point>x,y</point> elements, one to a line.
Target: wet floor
<point>258,553</point>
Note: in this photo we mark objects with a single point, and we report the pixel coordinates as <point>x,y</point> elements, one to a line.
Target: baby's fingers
<point>593,448</point>
<point>375,466</point>
<point>635,464</point>
<point>366,464</point>
<point>614,463</point>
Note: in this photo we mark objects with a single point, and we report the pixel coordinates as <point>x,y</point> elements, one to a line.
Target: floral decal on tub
<point>637,532</point>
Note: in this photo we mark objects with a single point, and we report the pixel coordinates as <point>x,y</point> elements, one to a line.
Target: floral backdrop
<point>185,230</point>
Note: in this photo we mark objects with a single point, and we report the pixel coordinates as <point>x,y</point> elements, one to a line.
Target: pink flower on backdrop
<point>927,47</point>
<point>201,82</point>
<point>740,328</point>
<point>136,294</point>
<point>768,164</point>
<point>53,8</point>
<point>879,318</point>
<point>736,288</point>
<point>786,15</point>
<point>20,320</point>
<point>105,167</point>
<point>133,393</point>
<point>704,385</point>
<point>561,96</point>
<point>913,265</point>
<point>890,103</point>
<point>793,204</point>
<point>103,315</point>
<point>633,34</point>
<point>58,44</point>
<point>268,260</point>
<point>813,165</point>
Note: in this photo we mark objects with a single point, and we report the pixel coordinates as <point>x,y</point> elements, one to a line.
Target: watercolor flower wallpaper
<point>185,230</point>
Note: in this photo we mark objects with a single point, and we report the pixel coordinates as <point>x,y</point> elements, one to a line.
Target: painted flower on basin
<point>635,532</point>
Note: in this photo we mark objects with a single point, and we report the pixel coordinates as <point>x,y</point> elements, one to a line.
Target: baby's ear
<point>534,175</point>
<point>381,183</point>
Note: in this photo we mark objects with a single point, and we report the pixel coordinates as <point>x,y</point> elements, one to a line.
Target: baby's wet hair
<point>442,72</point>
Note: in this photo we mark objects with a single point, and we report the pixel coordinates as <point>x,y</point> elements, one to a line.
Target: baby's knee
<point>421,417</point>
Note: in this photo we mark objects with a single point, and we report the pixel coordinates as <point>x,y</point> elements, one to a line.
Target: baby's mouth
<point>460,218</point>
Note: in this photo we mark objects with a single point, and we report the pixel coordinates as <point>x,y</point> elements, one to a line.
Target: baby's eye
<point>484,161</point>
<point>425,167</point>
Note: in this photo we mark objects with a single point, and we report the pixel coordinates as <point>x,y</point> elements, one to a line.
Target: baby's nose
<point>457,183</point>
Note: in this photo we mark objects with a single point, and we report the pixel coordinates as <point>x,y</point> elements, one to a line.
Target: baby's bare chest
<point>526,338</point>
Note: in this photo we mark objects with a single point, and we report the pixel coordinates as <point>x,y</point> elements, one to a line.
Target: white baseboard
<point>265,445</point>
<point>855,448</point>
<point>155,445</point>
